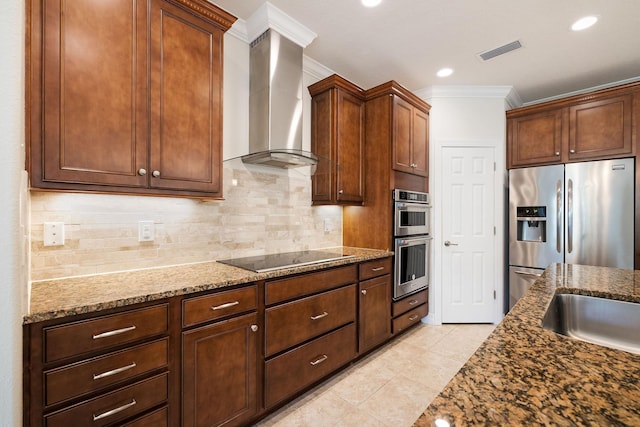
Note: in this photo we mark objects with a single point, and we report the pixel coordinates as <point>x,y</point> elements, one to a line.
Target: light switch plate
<point>54,233</point>
<point>146,232</point>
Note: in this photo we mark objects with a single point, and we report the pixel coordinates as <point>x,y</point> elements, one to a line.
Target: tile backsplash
<point>265,211</point>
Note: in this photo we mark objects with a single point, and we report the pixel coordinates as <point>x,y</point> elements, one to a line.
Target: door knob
<point>448,243</point>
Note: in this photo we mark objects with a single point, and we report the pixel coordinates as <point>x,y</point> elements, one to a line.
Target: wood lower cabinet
<point>374,307</point>
<point>126,96</point>
<point>593,126</point>
<point>101,369</point>
<point>337,137</point>
<point>409,310</point>
<point>219,373</point>
<point>311,335</point>
<point>220,358</point>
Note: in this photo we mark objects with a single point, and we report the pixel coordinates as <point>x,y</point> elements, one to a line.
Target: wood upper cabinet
<point>600,128</point>
<point>410,138</point>
<point>337,138</point>
<point>594,126</point>
<point>126,96</point>
<point>537,138</point>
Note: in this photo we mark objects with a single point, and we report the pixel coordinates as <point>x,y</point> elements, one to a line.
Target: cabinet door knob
<point>557,153</point>
<point>572,151</point>
<point>142,172</point>
<point>156,174</point>
<point>254,328</point>
<point>364,291</point>
<point>340,191</point>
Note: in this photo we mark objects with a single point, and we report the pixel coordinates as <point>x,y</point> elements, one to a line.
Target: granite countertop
<point>525,375</point>
<point>52,299</point>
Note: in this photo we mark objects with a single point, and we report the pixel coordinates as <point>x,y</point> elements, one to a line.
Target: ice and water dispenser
<point>532,223</point>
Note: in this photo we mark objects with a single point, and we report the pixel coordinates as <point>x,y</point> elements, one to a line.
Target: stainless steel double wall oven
<point>412,240</point>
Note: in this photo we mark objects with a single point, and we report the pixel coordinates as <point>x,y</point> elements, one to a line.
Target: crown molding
<point>508,93</point>
<point>239,30</point>
<point>268,16</point>
<point>315,69</point>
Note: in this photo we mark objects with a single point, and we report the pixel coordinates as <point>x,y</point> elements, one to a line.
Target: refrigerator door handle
<point>524,273</point>
<point>559,209</point>
<point>569,215</point>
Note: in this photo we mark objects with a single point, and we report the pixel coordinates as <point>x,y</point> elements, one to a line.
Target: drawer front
<point>410,302</point>
<point>409,318</point>
<point>220,304</point>
<point>118,405</point>
<point>307,284</point>
<point>101,333</point>
<point>304,365</point>
<point>77,379</point>
<point>375,268</point>
<point>159,418</point>
<point>290,324</point>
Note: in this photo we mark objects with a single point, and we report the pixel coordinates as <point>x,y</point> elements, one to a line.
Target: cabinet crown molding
<point>220,17</point>
<point>394,88</point>
<point>336,81</point>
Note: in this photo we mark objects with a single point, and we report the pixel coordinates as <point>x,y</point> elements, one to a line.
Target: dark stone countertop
<point>53,299</point>
<point>525,375</point>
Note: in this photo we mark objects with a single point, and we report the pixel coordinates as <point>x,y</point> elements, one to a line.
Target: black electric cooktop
<point>264,263</point>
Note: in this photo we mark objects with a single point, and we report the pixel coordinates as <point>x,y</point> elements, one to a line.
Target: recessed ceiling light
<point>444,72</point>
<point>371,3</point>
<point>584,23</point>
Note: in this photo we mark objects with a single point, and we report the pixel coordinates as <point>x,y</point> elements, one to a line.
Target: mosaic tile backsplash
<point>265,211</point>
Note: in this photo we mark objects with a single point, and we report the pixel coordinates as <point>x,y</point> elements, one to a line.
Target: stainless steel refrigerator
<point>578,213</point>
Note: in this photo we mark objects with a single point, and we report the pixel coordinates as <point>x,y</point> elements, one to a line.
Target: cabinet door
<point>186,101</point>
<point>420,143</point>
<point>350,148</point>
<point>375,312</point>
<point>94,93</point>
<point>600,129</point>
<point>322,119</point>
<point>402,135</point>
<point>537,138</point>
<point>219,373</point>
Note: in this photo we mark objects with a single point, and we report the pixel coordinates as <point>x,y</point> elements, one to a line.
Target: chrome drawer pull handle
<point>413,302</point>
<point>112,333</point>
<point>320,316</point>
<point>319,360</point>
<point>114,411</point>
<point>377,269</point>
<point>414,317</point>
<point>227,305</point>
<point>114,371</point>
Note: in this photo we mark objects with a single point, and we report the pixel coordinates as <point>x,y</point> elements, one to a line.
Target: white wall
<point>13,277</point>
<point>465,116</point>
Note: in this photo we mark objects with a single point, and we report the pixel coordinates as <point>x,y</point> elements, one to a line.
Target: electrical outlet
<point>327,226</point>
<point>146,232</point>
<point>54,233</point>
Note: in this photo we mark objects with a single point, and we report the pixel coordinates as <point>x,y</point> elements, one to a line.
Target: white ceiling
<point>409,40</point>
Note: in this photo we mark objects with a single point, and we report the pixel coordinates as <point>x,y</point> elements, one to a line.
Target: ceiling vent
<point>501,50</point>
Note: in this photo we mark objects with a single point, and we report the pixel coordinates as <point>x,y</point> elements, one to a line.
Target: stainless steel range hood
<point>275,103</point>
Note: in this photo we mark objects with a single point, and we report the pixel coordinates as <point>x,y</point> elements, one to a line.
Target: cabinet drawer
<point>302,366</point>
<point>101,333</point>
<point>292,323</point>
<point>409,318</point>
<point>307,284</point>
<point>77,379</point>
<point>118,405</point>
<point>221,304</point>
<point>159,418</point>
<point>375,268</point>
<point>410,302</point>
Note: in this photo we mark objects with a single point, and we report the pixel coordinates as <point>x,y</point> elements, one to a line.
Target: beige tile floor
<point>391,386</point>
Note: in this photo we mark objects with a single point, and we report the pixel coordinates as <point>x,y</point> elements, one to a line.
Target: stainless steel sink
<point>606,322</point>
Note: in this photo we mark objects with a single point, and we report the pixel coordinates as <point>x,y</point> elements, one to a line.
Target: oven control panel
<point>410,196</point>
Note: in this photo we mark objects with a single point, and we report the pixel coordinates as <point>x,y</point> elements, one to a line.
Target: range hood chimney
<point>275,98</point>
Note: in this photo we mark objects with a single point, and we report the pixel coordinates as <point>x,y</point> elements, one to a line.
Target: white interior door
<point>468,235</point>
